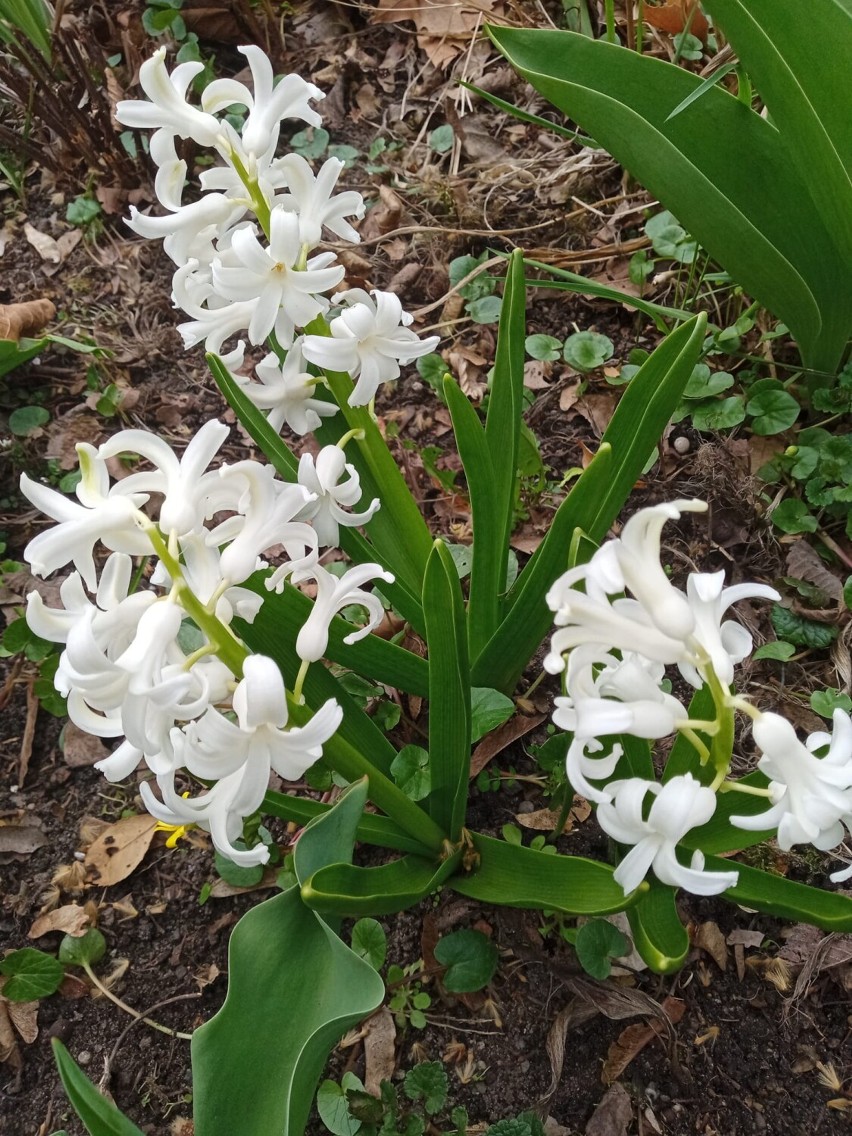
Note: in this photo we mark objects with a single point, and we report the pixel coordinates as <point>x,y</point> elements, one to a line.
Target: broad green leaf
<point>470,958</point>
<point>489,709</point>
<point>793,516</point>
<point>30,974</point>
<point>82,950</point>
<point>799,60</point>
<point>347,890</point>
<point>26,419</point>
<point>594,502</point>
<point>718,414</point>
<point>515,876</point>
<point>99,1115</point>
<point>598,942</point>
<point>722,169</point>
<point>410,770</point>
<point>333,1107</point>
<point>288,970</point>
<point>786,898</point>
<point>370,942</point>
<point>546,347</point>
<point>773,411</point>
<point>777,650</point>
<point>824,703</point>
<point>800,631</point>
<point>237,875</point>
<point>658,933</point>
<point>449,692</point>
<point>585,350</point>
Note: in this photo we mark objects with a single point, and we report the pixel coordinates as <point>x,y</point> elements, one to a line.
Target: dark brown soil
<point>744,1057</point>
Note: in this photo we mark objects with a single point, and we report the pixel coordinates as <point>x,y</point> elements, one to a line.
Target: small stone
<point>84,1057</point>
<point>681,445</point>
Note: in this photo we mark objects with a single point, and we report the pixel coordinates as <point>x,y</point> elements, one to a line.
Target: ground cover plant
<point>219,658</point>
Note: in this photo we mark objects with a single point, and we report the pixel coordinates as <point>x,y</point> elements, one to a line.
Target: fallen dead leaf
<point>45,245</point>
<point>805,564</point>
<point>470,368</point>
<point>9,1050</point>
<point>81,749</point>
<point>205,977</point>
<point>379,1050</point>
<point>24,1017</point>
<point>613,1115</point>
<point>21,839</point>
<point>72,986</point>
<point>222,890</point>
<point>443,26</point>
<point>544,820</point>
<point>120,849</point>
<point>709,938</point>
<point>632,1040</point>
<point>503,736</point>
<point>676,17</point>
<point>17,320</point>
<point>72,919</point>
<point>120,967</point>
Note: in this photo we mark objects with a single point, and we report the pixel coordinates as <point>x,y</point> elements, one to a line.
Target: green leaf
<point>441,138</point>
<point>410,770</point>
<point>596,943</point>
<point>31,975</point>
<point>270,1074</point>
<point>82,211</point>
<point>370,942</point>
<point>720,414</point>
<point>670,239</point>
<point>81,950</point>
<point>823,702</point>
<point>14,354</point>
<point>234,874</point>
<point>516,876</point>
<point>704,383</point>
<point>786,898</point>
<point>773,411</point>
<point>27,419</point>
<point>310,143</point>
<point>724,171</point>
<point>470,958</point>
<point>801,632</point>
<point>545,347</point>
<point>658,932</point>
<point>481,285</point>
<point>347,890</point>
<point>586,350</point>
<point>489,709</point>
<point>99,1115</point>
<point>485,310</point>
<point>449,692</point>
<point>778,650</point>
<point>372,829</point>
<point>427,1082</point>
<point>333,1107</point>
<point>793,516</point>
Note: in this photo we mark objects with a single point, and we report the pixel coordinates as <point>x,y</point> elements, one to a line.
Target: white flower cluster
<point>244,250</point>
<point>152,657</point>
<point>614,640</point>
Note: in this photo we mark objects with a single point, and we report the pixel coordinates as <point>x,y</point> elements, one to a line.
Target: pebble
<point>681,445</point>
<point>84,1057</point>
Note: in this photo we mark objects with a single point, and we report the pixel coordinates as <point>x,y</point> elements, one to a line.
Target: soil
<point>758,1040</point>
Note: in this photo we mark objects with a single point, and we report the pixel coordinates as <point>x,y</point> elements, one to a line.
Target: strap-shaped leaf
<point>283,614</point>
<point>724,171</point>
<point>503,420</point>
<point>356,546</point>
<point>594,502</point>
<point>99,1115</point>
<point>330,838</point>
<point>511,875</point>
<point>347,890</point>
<point>487,575</point>
<point>778,896</point>
<point>449,692</point>
<point>372,828</point>
<point>658,933</point>
<point>799,58</point>
<point>288,970</point>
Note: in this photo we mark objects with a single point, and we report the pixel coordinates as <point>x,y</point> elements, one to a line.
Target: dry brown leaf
<point>27,319</point>
<point>632,1040</point>
<point>205,977</point>
<point>470,367</point>
<point>677,17</point>
<point>9,1050</point>
<point>120,849</point>
<point>21,839</point>
<point>443,26</point>
<point>379,1050</point>
<point>72,919</point>
<point>222,890</point>
<point>24,1017</point>
<point>805,564</point>
<point>45,245</point>
<point>709,938</point>
<point>544,820</point>
<point>81,749</point>
<point>536,374</point>
<point>613,1115</point>
<point>503,736</point>
<point>120,967</point>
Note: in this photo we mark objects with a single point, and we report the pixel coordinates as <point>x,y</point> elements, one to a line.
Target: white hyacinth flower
<point>331,496</point>
<point>369,340</point>
<point>313,199</point>
<point>282,295</point>
<point>726,643</point>
<point>239,757</point>
<point>286,392</point>
<point>811,797</point>
<point>168,109</point>
<point>333,594</point>
<point>678,806</point>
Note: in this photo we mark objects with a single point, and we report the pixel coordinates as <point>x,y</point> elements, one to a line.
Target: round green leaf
<point>234,874</point>
<point>485,310</point>
<point>333,1109</point>
<point>470,958</point>
<point>773,411</point>
<point>703,382</point>
<point>778,650</point>
<point>410,770</point>
<point>586,350</point>
<point>720,414</point>
<point>489,709</point>
<point>26,419</point>
<point>441,139</point>
<point>825,702</point>
<point>597,942</point>
<point>31,975</point>
<point>544,347</point>
<point>370,942</point>
<point>85,949</point>
<point>793,516</point>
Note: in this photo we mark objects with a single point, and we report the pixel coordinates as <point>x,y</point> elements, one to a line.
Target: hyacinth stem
<point>738,787</point>
<point>223,641</point>
<point>259,204</point>
<point>722,743</point>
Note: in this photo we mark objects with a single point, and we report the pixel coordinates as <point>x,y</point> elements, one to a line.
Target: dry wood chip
<point>72,919</point>
<point>379,1050</point>
<point>120,849</point>
<point>27,319</point>
<point>613,1115</point>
